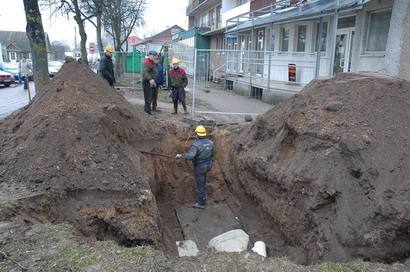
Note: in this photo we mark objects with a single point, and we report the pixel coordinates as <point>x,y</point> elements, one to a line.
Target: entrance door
<point>344,44</point>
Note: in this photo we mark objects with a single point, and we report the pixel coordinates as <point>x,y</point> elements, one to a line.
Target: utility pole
<point>75,38</point>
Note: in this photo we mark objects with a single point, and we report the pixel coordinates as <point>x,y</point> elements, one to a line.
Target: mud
<point>331,167</point>
<point>76,149</point>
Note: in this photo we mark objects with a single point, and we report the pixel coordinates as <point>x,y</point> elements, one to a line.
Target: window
<point>204,20</point>
<point>211,20</point>
<point>272,39</point>
<point>379,24</point>
<point>323,37</point>
<point>12,56</point>
<point>301,43</point>
<point>285,39</point>
<point>218,16</point>
<point>241,2</point>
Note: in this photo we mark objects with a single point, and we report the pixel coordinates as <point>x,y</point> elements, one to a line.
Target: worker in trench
<point>179,81</point>
<point>149,75</point>
<point>201,154</point>
<point>106,67</point>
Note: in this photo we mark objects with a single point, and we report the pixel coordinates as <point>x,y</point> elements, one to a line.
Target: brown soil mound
<point>331,167</point>
<point>72,148</point>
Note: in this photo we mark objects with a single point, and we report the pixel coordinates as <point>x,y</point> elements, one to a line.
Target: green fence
<point>128,62</point>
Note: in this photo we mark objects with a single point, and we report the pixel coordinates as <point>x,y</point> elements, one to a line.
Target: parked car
<point>11,68</point>
<point>6,79</point>
<point>54,67</point>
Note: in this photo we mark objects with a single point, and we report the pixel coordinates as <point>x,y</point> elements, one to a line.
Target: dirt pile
<point>72,155</point>
<point>331,167</point>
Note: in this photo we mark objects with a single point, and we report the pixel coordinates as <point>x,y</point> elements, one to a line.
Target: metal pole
<point>334,33</point>
<point>194,86</point>
<point>252,67</point>
<point>133,69</point>
<point>269,70</point>
<point>319,47</point>
<point>28,87</point>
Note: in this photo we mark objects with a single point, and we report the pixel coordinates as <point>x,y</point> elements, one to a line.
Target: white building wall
<point>230,10</point>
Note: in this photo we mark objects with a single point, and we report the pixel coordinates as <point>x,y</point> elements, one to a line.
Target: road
<point>13,98</point>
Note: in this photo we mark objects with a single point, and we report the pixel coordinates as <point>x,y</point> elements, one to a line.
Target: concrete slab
<point>201,226</point>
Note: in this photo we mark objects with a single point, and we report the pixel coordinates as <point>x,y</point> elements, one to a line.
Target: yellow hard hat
<point>109,49</point>
<point>200,131</point>
<point>175,61</point>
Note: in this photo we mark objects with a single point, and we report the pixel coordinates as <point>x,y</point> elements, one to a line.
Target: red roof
<point>164,36</point>
<point>134,40</point>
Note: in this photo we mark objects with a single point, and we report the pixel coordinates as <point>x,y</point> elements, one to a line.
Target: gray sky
<point>159,15</point>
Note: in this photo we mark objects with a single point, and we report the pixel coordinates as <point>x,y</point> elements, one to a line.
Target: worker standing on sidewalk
<point>201,154</point>
<point>149,75</point>
<point>106,67</point>
<point>179,81</point>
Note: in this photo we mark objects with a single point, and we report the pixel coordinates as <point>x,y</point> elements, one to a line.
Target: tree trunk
<point>81,30</point>
<point>99,39</point>
<point>36,36</point>
<point>98,9</point>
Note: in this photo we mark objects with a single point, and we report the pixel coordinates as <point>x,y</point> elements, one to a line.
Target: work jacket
<point>178,78</point>
<point>149,71</point>
<point>106,69</point>
<point>201,152</point>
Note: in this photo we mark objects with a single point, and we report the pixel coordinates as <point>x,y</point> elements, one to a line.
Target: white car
<point>6,79</point>
<point>54,67</point>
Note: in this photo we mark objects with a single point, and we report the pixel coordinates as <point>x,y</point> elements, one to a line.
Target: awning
<point>312,8</point>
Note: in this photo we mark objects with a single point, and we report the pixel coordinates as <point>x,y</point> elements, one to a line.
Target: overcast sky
<point>159,15</point>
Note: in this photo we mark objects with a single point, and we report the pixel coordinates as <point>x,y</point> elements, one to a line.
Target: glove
<point>152,83</point>
<point>178,156</point>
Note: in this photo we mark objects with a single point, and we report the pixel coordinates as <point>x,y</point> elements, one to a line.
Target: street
<point>13,98</point>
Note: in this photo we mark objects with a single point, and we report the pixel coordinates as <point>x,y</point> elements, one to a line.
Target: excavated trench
<point>173,185</point>
<point>150,218</point>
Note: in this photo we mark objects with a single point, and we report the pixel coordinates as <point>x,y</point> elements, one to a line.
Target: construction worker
<point>106,67</point>
<point>159,81</point>
<point>201,154</point>
<point>149,75</point>
<point>179,81</point>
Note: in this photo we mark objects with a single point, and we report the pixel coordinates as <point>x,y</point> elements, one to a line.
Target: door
<point>343,55</point>
<point>259,58</point>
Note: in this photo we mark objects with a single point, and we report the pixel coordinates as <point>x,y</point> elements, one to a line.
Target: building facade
<point>15,45</point>
<point>351,35</point>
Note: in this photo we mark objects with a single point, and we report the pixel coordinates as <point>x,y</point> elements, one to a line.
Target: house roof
<point>163,36</point>
<point>134,40</point>
<point>308,9</point>
<point>19,40</point>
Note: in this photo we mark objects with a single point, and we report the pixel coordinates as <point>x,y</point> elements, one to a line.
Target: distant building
<point>15,44</point>
<point>133,42</point>
<point>158,40</point>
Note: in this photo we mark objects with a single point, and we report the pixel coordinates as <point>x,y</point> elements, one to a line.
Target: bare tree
<point>94,8</point>
<point>67,7</point>
<point>36,36</point>
<point>121,17</point>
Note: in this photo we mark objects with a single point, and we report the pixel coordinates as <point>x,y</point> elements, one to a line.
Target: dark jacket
<point>160,75</point>
<point>106,69</point>
<point>149,70</point>
<point>201,152</point>
<point>178,78</point>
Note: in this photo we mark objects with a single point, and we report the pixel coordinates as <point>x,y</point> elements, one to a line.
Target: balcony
<point>197,6</point>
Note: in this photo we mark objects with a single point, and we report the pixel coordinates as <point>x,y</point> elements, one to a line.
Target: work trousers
<point>148,95</point>
<point>155,98</point>
<point>200,172</point>
<point>178,94</point>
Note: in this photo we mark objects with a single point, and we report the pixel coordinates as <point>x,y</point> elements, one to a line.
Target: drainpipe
<point>333,48</point>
